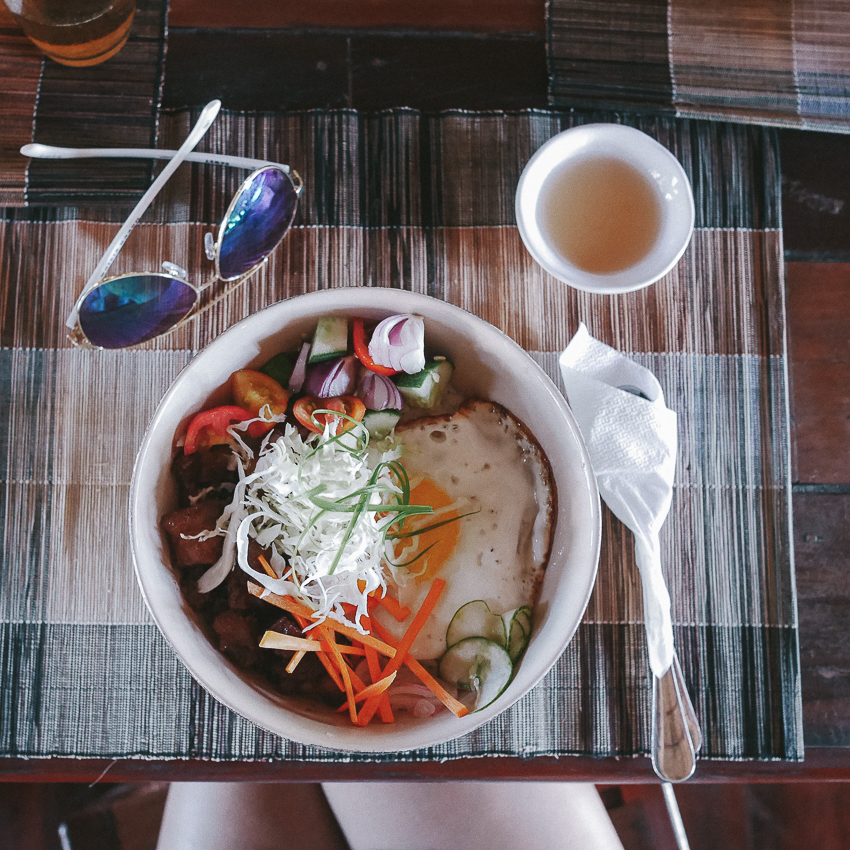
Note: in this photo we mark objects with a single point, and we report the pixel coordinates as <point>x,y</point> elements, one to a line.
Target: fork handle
<point>673,752</point>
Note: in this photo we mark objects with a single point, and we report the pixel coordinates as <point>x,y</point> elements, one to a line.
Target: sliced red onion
<point>426,708</point>
<point>296,379</point>
<point>378,392</point>
<point>399,343</point>
<point>416,699</point>
<point>332,378</point>
<point>417,706</point>
<point>412,689</point>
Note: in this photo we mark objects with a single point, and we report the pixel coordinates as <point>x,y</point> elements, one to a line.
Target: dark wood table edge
<point>822,764</point>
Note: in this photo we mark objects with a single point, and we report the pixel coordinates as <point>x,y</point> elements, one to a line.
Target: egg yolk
<point>442,540</point>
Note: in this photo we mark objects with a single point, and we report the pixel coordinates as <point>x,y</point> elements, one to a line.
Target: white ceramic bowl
<point>489,365</point>
<point>653,160</point>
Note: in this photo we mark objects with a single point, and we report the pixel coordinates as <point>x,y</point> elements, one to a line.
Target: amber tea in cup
<point>75,32</point>
<point>605,208</point>
<point>601,213</point>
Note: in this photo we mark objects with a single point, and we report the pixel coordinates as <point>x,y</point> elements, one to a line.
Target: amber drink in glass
<point>75,32</point>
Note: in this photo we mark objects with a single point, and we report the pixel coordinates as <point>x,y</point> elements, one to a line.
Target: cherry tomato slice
<point>209,427</point>
<point>361,349</point>
<point>253,391</point>
<point>304,411</point>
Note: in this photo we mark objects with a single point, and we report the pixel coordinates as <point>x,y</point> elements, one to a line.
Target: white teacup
<point>605,208</point>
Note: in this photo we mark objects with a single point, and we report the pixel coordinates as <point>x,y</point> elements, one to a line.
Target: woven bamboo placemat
<point>766,62</point>
<point>422,202</point>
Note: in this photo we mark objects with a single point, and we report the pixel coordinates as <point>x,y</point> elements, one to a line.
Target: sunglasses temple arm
<point>208,115</point>
<point>39,151</point>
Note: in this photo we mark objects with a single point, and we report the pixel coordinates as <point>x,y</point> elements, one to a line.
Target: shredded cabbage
<point>324,557</point>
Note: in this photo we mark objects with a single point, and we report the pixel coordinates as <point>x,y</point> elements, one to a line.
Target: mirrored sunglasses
<point>129,309</point>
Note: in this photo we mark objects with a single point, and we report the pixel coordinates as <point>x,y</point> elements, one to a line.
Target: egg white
<point>487,463</point>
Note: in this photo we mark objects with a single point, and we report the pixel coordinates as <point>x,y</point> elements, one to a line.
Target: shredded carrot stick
<point>328,636</point>
<point>322,655</point>
<point>326,657</point>
<point>344,648</point>
<point>326,660</point>
<point>304,615</point>
<point>384,707</point>
<point>367,640</point>
<point>368,710</point>
<point>357,685</point>
<point>287,603</point>
<point>302,621</point>
<point>376,689</point>
<point>455,706</point>
<point>295,661</point>
<point>415,627</point>
<point>288,643</point>
<point>332,671</point>
<point>276,640</point>
<point>267,567</point>
<point>394,607</point>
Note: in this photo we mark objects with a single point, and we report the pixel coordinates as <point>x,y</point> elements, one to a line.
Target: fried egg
<point>481,468</point>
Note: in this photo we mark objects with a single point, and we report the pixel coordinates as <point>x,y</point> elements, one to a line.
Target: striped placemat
<point>111,105</point>
<point>422,202</point>
<point>786,64</point>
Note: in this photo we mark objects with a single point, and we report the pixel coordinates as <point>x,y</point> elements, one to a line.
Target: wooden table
<point>490,54</point>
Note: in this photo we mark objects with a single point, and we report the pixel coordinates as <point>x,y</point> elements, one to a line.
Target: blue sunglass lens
<point>132,309</point>
<point>261,215</point>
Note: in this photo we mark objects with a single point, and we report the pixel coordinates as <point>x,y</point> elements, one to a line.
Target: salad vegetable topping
<point>212,427</point>
<point>399,343</point>
<point>316,413</point>
<point>253,391</point>
<point>361,349</point>
<point>319,491</point>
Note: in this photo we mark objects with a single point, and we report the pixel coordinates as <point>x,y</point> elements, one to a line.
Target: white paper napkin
<point>632,444</point>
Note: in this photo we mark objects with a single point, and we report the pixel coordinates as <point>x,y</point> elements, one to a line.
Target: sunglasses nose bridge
<point>176,271</point>
<point>209,246</point>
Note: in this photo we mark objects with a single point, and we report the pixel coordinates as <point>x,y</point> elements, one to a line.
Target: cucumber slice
<point>380,423</point>
<point>523,615</point>
<point>280,367</point>
<point>426,388</point>
<point>475,619</point>
<point>480,666</point>
<point>517,624</point>
<point>330,339</point>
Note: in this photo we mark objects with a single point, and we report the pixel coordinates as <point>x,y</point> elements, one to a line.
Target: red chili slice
<point>361,349</point>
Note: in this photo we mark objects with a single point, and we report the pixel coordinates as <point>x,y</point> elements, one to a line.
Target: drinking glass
<point>75,32</point>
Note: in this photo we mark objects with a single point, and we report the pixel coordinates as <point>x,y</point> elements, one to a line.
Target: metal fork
<point>675,741</point>
<point>676,736</point>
